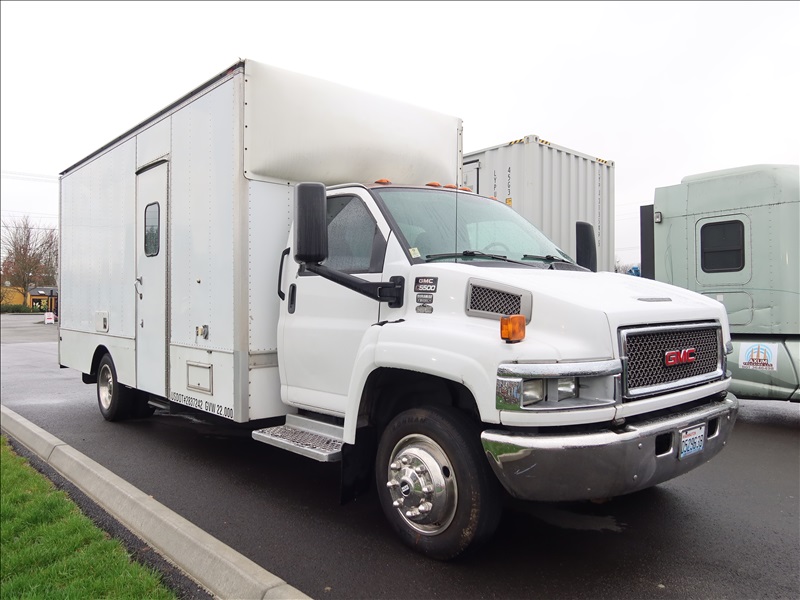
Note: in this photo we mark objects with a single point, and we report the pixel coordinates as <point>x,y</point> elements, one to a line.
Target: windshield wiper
<point>472,254</point>
<point>552,261</point>
<point>549,257</point>
<point>465,253</point>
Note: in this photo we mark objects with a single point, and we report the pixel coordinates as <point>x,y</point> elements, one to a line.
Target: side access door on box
<point>152,192</point>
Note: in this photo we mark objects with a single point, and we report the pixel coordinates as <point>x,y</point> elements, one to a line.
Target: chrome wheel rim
<point>422,484</point>
<point>105,386</point>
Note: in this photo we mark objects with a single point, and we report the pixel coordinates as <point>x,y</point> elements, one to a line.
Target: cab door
<point>322,323</point>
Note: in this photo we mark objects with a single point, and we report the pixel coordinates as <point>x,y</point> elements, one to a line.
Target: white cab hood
<point>575,300</point>
<point>576,314</point>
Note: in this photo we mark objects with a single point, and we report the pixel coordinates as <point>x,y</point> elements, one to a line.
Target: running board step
<point>307,437</point>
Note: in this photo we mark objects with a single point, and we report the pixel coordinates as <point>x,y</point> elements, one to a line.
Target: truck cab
<point>443,329</point>
<point>731,235</point>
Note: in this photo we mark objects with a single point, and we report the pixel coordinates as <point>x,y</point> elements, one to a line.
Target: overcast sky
<point>664,90</point>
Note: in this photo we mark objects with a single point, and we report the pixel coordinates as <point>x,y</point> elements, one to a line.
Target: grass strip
<point>49,549</point>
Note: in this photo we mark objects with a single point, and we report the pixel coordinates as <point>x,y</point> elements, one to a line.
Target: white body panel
<point>270,207</point>
<point>296,126</point>
<point>97,260</point>
<point>552,187</point>
<point>207,190</point>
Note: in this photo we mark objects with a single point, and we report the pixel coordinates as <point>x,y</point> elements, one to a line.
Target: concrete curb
<point>217,567</point>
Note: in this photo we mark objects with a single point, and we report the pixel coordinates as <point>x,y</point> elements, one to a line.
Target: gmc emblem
<point>673,358</point>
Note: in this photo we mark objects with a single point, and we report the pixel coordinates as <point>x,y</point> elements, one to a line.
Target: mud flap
<point>358,461</point>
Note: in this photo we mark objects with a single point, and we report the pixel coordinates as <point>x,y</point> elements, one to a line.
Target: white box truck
<point>732,236</point>
<point>551,186</point>
<point>218,258</point>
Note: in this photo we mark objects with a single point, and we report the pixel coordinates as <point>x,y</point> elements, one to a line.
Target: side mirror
<point>310,223</point>
<point>585,246</point>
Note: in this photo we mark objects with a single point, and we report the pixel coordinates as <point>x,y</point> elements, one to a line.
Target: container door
<point>151,279</point>
<point>471,173</point>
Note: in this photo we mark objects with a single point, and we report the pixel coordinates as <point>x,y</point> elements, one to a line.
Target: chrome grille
<point>644,352</point>
<point>485,299</point>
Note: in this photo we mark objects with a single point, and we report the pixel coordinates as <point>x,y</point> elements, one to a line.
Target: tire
<point>434,482</point>
<point>113,398</point>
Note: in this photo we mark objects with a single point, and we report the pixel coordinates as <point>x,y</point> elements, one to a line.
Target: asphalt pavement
<point>216,567</point>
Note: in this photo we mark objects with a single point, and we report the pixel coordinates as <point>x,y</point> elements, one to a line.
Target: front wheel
<point>113,398</point>
<point>434,483</point>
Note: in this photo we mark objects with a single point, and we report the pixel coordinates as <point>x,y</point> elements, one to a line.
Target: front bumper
<point>583,466</point>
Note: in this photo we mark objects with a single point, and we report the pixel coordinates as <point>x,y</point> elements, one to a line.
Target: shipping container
<point>552,187</point>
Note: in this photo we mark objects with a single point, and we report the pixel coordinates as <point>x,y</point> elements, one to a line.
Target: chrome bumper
<point>585,466</point>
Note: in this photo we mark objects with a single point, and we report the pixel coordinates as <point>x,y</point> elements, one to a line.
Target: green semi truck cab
<point>734,236</point>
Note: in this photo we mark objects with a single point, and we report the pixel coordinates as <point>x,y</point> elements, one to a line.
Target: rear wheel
<point>113,398</point>
<point>434,483</point>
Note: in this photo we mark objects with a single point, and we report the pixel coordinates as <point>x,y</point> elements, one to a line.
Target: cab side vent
<point>493,303</point>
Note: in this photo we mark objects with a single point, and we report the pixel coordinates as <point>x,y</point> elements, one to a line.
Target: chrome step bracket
<point>157,402</point>
<point>296,438</point>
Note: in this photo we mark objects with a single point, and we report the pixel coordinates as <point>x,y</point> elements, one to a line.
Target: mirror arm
<point>382,291</point>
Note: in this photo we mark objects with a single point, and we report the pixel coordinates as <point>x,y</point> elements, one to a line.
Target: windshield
<point>440,225</point>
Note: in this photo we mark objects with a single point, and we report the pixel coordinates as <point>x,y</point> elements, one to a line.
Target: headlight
<point>537,390</point>
<point>545,387</point>
<point>533,391</point>
<point>567,388</point>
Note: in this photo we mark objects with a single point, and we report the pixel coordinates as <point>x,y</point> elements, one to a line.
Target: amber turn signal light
<point>512,328</point>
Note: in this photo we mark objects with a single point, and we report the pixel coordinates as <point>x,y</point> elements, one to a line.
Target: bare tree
<point>30,254</point>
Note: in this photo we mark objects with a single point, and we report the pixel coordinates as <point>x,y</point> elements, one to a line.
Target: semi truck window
<point>151,229</point>
<point>352,236</point>
<point>722,246</point>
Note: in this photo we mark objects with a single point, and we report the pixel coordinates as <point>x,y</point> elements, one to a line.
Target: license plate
<point>692,440</point>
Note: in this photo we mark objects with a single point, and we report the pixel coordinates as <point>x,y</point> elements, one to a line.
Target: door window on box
<point>151,229</point>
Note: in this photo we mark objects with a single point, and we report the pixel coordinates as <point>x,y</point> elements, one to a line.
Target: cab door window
<point>355,244</point>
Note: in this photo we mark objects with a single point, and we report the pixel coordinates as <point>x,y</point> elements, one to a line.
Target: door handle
<point>292,298</point>
<point>284,254</point>
<point>136,286</point>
